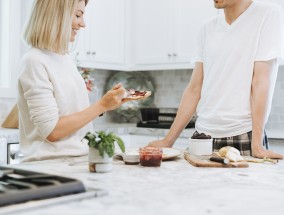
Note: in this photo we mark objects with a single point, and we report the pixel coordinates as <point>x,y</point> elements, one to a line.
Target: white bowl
<point>131,157</point>
<point>200,146</point>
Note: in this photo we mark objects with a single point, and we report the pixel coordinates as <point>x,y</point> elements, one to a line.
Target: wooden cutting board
<point>12,120</point>
<point>203,161</point>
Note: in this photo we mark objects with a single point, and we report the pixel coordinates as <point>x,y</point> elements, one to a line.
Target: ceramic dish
<point>131,157</point>
<point>169,153</point>
<point>200,146</point>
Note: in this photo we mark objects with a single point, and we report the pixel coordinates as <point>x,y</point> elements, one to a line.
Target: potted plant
<point>101,150</point>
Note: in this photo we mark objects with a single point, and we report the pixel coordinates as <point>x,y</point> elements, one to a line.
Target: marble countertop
<point>130,128</point>
<point>125,128</point>
<point>174,188</point>
<point>11,135</point>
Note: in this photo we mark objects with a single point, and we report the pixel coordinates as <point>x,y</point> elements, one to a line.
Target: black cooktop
<point>159,124</point>
<point>18,186</point>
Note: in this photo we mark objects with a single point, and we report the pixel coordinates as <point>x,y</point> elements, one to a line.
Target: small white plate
<point>168,153</point>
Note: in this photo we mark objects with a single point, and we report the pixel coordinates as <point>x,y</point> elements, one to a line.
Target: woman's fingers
<point>117,86</point>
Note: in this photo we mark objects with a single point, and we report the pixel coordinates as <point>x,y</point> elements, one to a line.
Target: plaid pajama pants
<point>241,142</point>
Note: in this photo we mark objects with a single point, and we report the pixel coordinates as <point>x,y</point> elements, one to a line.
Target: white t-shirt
<point>228,53</point>
<point>49,86</point>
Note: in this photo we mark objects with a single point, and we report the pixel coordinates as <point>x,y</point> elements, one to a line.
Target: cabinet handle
<point>88,52</point>
<point>169,54</point>
<point>175,54</point>
<point>93,53</point>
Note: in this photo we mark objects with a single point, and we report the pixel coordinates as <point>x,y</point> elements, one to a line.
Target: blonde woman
<point>54,110</point>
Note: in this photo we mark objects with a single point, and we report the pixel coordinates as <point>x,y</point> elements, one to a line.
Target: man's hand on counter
<point>260,152</point>
<point>160,143</point>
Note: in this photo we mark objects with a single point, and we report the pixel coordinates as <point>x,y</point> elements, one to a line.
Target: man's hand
<point>264,77</point>
<point>160,143</point>
<point>260,152</point>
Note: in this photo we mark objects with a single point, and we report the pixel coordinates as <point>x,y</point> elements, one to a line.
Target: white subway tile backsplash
<point>277,126</point>
<point>274,118</point>
<point>280,75</point>
<point>279,101</point>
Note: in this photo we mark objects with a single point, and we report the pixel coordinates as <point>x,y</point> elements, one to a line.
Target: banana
<point>231,153</point>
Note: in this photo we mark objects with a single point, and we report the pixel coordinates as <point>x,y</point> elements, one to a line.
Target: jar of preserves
<point>150,156</point>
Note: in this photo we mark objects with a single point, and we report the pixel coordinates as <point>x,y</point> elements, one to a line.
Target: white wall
<point>6,104</point>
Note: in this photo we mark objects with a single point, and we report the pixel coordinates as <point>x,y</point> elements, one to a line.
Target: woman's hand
<point>113,98</point>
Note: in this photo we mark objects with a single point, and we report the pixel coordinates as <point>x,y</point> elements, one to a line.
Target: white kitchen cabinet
<point>101,43</point>
<point>141,34</point>
<point>167,35</point>
<point>152,32</point>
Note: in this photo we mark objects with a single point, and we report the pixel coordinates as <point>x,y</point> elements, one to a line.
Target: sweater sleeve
<point>38,93</point>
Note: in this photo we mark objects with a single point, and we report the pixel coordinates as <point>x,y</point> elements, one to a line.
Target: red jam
<point>150,156</point>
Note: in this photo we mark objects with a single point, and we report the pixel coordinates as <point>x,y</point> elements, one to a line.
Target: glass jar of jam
<point>150,156</point>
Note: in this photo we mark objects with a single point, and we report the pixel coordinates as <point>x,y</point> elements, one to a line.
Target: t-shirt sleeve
<point>271,41</point>
<point>200,45</point>
<point>38,93</point>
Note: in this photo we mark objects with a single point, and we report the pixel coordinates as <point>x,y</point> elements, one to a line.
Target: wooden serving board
<point>203,161</point>
<point>12,120</point>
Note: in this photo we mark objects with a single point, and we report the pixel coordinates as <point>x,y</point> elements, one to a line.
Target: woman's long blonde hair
<point>49,26</point>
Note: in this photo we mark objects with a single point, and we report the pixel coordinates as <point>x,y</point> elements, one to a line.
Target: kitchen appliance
<point>18,186</point>
<point>160,118</point>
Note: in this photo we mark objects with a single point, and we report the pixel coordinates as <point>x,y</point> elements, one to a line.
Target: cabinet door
<point>104,33</point>
<point>188,19</point>
<point>152,21</point>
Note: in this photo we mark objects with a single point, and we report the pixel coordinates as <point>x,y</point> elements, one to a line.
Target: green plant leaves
<point>104,142</point>
<point>120,143</point>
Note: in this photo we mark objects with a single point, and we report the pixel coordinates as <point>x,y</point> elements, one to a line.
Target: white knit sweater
<point>49,86</point>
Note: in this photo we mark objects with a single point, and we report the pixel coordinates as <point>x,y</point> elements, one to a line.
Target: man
<point>233,80</point>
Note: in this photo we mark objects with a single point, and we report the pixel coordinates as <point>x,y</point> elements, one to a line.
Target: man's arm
<point>261,93</point>
<point>186,108</point>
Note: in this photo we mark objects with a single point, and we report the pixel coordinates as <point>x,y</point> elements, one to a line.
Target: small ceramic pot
<point>97,163</point>
<point>131,158</point>
<point>200,146</point>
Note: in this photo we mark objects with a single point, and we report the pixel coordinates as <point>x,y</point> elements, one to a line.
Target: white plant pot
<point>97,163</point>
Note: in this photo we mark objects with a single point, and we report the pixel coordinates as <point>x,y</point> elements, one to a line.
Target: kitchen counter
<point>12,135</point>
<point>174,188</point>
<point>130,128</point>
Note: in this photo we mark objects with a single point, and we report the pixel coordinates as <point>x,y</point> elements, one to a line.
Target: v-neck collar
<point>229,26</point>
